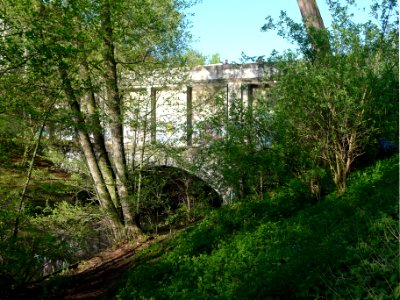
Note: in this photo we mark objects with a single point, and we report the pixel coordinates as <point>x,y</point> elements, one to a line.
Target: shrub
<point>341,247</point>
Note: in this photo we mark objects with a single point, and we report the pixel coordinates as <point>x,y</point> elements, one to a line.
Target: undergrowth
<point>340,248</point>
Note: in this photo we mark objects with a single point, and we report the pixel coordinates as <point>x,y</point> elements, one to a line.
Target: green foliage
<point>331,110</point>
<point>339,248</point>
<point>79,226</point>
<point>193,58</point>
<point>48,241</point>
<point>85,52</point>
<point>239,146</point>
<point>23,260</point>
<point>171,198</point>
<point>215,59</point>
<point>52,233</point>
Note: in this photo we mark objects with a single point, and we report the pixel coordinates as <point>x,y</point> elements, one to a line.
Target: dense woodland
<point>312,166</point>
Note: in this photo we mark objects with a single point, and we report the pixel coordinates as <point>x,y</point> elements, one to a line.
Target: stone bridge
<point>164,110</point>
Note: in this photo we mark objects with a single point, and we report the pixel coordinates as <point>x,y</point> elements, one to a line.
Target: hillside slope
<point>284,247</point>
<point>281,248</point>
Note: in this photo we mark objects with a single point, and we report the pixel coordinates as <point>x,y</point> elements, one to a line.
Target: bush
<point>344,247</point>
<point>47,242</point>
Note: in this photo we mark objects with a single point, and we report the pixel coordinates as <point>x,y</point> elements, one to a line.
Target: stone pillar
<point>250,95</point>
<point>250,100</point>
<point>227,103</point>
<point>189,116</point>
<point>153,116</point>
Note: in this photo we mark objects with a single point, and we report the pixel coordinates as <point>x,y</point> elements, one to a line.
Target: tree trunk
<point>28,178</point>
<point>310,14</point>
<point>87,149</point>
<point>114,104</point>
<point>314,25</point>
<point>99,142</point>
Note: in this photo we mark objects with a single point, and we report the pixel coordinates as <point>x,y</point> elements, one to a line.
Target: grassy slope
<point>280,248</point>
<point>48,227</point>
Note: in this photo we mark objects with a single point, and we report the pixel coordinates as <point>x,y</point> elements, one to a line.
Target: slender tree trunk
<point>87,149</point>
<point>28,178</point>
<point>30,169</point>
<point>186,183</point>
<point>114,106</point>
<point>100,185</point>
<point>138,191</point>
<point>99,142</point>
<point>26,137</point>
<point>261,186</point>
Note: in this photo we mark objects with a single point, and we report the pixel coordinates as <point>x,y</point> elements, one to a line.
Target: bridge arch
<point>188,162</point>
<point>171,197</point>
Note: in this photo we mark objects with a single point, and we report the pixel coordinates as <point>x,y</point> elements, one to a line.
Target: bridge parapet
<point>228,72</point>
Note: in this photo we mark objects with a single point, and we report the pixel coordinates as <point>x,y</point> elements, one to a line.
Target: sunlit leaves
<point>333,106</point>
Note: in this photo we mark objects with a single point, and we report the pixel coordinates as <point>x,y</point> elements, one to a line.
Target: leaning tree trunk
<point>99,141</point>
<point>114,104</point>
<point>310,14</point>
<point>314,25</point>
<point>87,149</point>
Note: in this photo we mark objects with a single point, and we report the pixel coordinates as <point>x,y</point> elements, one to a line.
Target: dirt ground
<point>95,278</point>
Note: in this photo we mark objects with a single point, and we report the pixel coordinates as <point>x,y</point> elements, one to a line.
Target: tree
<point>215,59</point>
<point>332,114</point>
<point>314,25</point>
<point>237,149</point>
<point>310,14</point>
<point>80,51</point>
<point>194,58</point>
